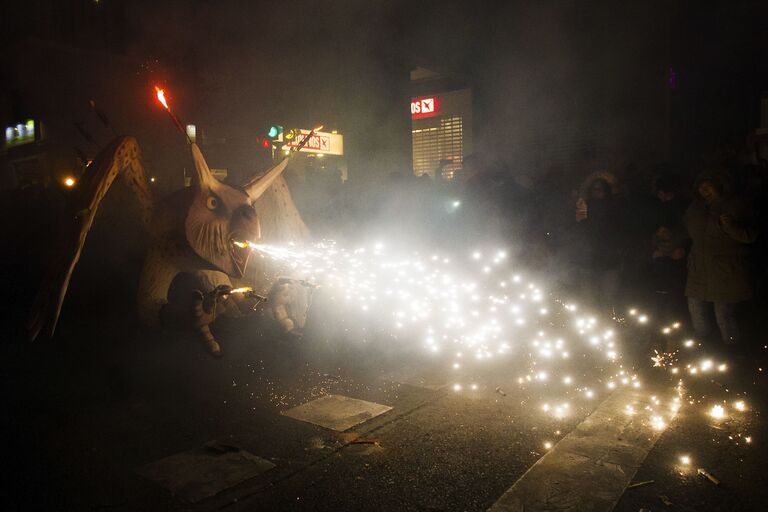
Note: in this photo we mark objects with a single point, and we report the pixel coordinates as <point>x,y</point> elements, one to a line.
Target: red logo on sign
<point>316,142</point>
<point>424,107</point>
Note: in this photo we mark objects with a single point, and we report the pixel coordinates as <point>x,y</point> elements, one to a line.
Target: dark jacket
<point>718,263</point>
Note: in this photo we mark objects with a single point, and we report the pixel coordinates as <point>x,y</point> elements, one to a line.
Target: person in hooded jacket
<point>599,239</point>
<point>721,227</point>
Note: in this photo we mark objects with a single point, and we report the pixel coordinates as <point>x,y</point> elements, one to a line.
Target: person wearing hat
<point>721,227</point>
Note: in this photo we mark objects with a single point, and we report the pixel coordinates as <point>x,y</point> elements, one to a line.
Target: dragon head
<point>221,217</point>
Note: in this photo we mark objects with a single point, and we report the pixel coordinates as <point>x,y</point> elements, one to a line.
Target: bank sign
<point>424,107</point>
<point>320,142</point>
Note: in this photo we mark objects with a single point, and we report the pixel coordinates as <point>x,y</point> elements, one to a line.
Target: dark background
<point>559,86</point>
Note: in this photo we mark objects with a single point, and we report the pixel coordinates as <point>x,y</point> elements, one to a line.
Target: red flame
<point>161,98</point>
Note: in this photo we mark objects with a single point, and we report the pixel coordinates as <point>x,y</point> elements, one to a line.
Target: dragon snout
<point>246,222</point>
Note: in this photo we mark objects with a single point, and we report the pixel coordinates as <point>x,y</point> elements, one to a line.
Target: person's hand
<point>678,254</point>
<point>726,220</point>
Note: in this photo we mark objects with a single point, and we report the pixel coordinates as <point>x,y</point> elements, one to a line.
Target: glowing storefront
<point>441,128</point>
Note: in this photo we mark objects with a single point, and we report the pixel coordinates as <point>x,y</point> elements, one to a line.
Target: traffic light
<point>275,131</point>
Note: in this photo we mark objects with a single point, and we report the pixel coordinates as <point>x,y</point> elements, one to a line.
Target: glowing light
<point>685,460</point>
<point>468,307</point>
<point>547,445</point>
<point>717,412</point>
<point>69,181</point>
<point>161,98</point>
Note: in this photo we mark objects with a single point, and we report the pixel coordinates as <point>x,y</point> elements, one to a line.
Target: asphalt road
<point>107,398</point>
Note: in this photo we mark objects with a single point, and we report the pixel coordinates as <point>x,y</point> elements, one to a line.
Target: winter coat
<point>718,262</point>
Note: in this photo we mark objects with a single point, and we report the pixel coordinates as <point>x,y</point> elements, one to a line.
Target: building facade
<point>441,125</point>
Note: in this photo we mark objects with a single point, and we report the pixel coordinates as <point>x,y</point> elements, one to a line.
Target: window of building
<point>438,142</point>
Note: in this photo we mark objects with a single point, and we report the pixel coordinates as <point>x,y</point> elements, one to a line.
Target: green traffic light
<point>274,131</point>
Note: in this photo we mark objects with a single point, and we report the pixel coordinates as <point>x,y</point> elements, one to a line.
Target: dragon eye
<point>212,203</point>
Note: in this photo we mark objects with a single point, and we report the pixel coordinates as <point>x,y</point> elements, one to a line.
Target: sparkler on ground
<point>476,310</point>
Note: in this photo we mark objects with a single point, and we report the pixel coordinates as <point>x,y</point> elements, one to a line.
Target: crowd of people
<point>680,247</point>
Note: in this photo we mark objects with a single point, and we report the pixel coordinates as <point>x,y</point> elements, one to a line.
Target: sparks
<point>717,412</point>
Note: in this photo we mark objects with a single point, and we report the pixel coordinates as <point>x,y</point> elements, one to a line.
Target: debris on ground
<point>363,440</point>
<point>709,476</point>
<point>640,484</point>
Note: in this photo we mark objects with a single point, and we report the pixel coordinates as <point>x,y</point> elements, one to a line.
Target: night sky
<point>601,83</point>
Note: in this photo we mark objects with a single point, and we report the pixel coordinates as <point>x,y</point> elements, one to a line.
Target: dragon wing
<point>122,154</point>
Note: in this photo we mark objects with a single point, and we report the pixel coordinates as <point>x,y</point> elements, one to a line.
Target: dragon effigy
<point>197,266</point>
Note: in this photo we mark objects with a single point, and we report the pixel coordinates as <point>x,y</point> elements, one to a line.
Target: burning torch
<point>160,93</point>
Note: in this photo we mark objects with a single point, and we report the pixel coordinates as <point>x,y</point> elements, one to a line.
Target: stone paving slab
<point>337,412</point>
<point>591,467</point>
<point>204,472</point>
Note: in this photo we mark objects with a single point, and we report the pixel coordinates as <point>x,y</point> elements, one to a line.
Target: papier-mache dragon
<point>197,250</point>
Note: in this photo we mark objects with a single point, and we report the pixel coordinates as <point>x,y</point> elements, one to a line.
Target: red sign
<point>424,107</point>
<point>316,143</point>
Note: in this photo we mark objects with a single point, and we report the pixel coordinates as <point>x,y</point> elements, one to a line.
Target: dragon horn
<point>256,186</point>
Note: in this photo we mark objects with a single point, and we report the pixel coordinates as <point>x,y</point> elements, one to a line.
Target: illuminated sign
<point>321,142</point>
<point>424,107</point>
<point>20,134</point>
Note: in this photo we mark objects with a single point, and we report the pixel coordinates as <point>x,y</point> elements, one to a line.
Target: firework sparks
<point>473,310</point>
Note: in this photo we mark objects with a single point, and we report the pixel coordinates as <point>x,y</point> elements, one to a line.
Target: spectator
<point>599,233</point>
<point>720,226</point>
<point>669,207</point>
<point>667,270</point>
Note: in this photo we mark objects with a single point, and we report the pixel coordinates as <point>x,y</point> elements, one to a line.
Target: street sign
<point>320,142</point>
